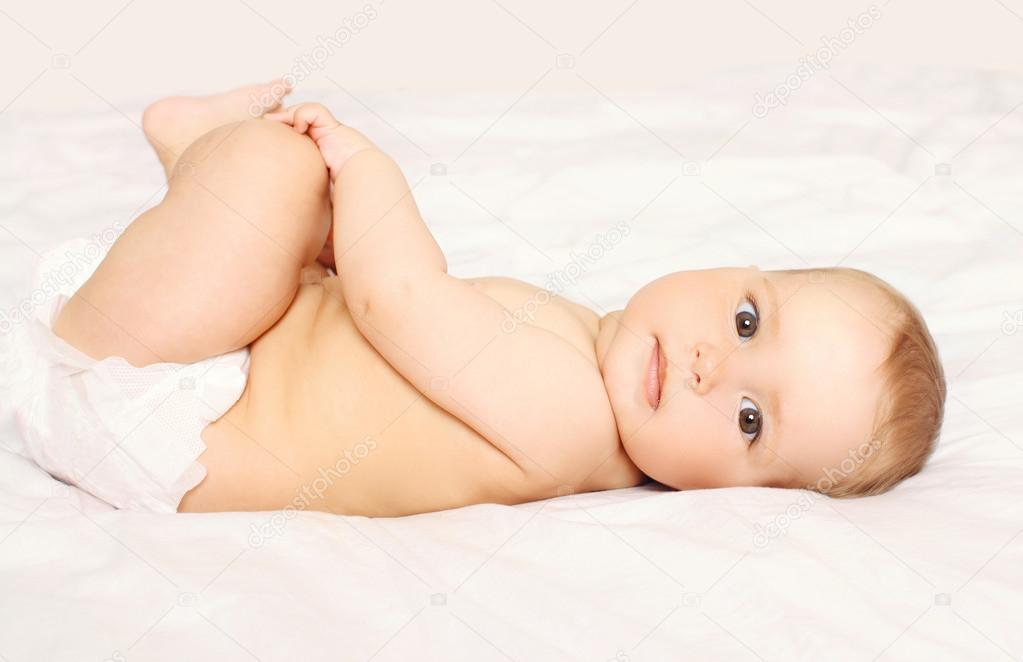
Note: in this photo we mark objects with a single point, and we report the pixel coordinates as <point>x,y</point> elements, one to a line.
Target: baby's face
<point>730,377</point>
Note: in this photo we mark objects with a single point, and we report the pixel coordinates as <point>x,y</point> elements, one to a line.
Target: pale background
<point>142,48</point>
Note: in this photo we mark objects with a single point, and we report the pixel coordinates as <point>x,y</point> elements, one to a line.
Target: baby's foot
<point>173,123</point>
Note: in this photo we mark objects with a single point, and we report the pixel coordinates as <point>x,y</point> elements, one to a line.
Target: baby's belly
<point>326,424</point>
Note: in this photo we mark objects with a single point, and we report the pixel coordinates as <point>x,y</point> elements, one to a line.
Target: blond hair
<point>912,403</point>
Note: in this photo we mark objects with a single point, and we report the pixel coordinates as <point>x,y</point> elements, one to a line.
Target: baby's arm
<point>443,334</point>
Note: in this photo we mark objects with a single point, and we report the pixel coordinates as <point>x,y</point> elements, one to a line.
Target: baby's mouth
<point>654,376</point>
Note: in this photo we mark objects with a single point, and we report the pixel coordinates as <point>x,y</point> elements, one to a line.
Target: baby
<point>214,361</point>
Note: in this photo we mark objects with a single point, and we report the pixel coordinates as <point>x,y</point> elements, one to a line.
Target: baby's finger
<point>287,116</point>
<point>302,119</point>
<point>277,117</point>
<point>312,116</point>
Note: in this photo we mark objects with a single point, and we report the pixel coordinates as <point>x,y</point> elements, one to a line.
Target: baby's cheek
<point>695,443</point>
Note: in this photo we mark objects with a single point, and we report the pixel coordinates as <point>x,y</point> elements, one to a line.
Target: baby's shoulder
<point>536,306</point>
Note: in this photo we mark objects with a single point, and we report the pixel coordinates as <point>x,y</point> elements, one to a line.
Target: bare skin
<point>320,399</point>
<point>395,388</point>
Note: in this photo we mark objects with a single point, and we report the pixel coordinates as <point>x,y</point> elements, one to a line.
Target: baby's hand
<point>337,142</point>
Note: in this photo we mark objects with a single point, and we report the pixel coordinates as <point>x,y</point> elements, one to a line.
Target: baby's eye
<point>746,318</point>
<point>750,420</point>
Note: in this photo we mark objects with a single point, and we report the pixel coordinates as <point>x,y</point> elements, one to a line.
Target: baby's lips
<point>662,368</point>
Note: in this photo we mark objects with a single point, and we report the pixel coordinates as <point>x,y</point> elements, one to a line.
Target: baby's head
<point>826,379</point>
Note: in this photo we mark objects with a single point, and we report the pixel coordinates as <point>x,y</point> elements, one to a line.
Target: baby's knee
<point>269,144</point>
<point>295,152</point>
<point>260,160</point>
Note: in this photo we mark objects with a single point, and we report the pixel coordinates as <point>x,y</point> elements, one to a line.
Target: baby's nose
<point>704,362</point>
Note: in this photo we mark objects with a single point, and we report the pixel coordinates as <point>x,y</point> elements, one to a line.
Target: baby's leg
<point>173,123</point>
<point>217,262</point>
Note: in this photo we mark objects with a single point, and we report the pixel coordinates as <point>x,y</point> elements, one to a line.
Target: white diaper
<point>128,435</point>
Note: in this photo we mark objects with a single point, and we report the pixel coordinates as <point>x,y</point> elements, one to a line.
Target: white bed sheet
<point>931,570</point>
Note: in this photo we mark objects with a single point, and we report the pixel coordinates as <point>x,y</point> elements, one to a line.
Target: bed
<point>912,174</point>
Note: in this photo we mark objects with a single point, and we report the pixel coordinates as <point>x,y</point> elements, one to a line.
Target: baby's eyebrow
<point>772,293</point>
